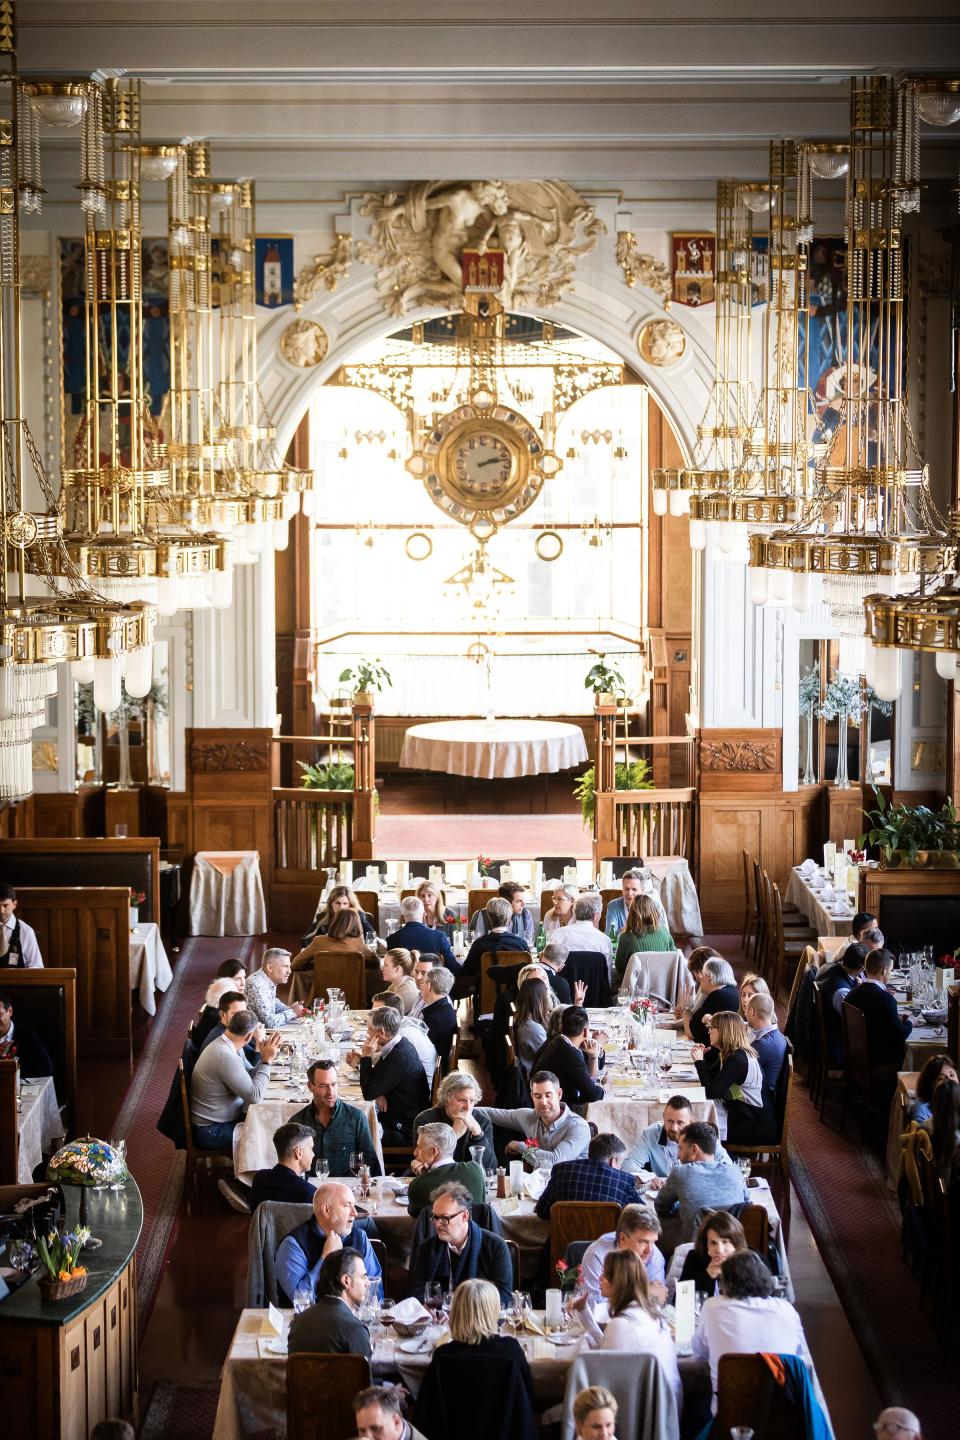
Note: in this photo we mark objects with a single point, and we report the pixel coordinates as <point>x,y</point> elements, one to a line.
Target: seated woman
<point>720,1235</point>
<point>436,915</point>
<point>341,897</point>
<point>746,1318</point>
<point>730,1074</point>
<point>345,932</point>
<point>751,985</point>
<point>643,932</point>
<point>561,911</point>
<point>531,1019</point>
<point>595,1414</point>
<point>937,1068</point>
<point>505,1391</point>
<point>397,967</point>
<point>635,1322</point>
<point>944,1129</point>
<point>521,921</point>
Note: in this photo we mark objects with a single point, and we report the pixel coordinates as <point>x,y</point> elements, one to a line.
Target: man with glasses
<point>458,1249</point>
<point>895,1423</point>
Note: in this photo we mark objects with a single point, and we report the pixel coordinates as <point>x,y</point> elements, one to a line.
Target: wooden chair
<point>822,1075</point>
<point>208,1160</point>
<point>607,897</point>
<point>748,1394</point>
<point>756,1228</point>
<point>349,972</point>
<point>620,864</point>
<point>938,1276</point>
<point>579,1220</point>
<point>953,1023</point>
<point>514,1249</point>
<point>46,1000</point>
<point>759,957</point>
<point>369,902</point>
<point>320,1391</point>
<point>487,989</point>
<point>553,864</point>
<point>435,1083</point>
<point>9,1129</point>
<point>860,1089</point>
<point>749,902</point>
<point>809,960</point>
<point>787,947</point>
<point>453,1056</point>
<point>476,900</point>
<point>779,1150</point>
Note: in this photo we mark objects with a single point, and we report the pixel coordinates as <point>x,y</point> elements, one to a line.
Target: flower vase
<point>842,780</point>
<point>56,1289</point>
<point>869,778</point>
<point>809,774</point>
<point>134,917</point>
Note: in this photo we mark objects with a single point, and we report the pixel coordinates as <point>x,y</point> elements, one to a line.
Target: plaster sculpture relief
<point>661,342</point>
<point>304,343</point>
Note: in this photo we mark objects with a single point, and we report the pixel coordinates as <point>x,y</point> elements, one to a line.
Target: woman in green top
<point>643,932</point>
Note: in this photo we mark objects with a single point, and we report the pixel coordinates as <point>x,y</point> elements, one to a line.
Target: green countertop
<point>116,1218</point>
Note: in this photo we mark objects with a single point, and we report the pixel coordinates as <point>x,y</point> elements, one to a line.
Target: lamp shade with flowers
<point>87,1161</point>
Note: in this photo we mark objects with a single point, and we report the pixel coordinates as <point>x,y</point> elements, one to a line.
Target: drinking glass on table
<point>323,1171</point>
<point>476,1154</point>
<point>744,1166</point>
<point>356,1161</point>
<point>741,1432</point>
<point>433,1298</point>
<point>303,1296</point>
<point>520,1306</point>
<point>22,1256</point>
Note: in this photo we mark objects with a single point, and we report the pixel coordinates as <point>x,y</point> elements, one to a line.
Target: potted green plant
<point>364,679</point>
<point>635,776</point>
<point>60,1275</point>
<point>607,684</point>
<point>328,775</point>
<point>913,834</point>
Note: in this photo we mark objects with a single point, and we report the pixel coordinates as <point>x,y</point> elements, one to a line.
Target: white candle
<point>554,1315</point>
<point>436,874</point>
<point>516,1177</point>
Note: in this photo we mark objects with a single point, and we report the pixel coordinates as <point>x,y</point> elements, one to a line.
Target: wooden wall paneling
<point>108,860</point>
<point>230,792</point>
<point>912,880</point>
<point>775,827</point>
<point>741,760</point>
<point>844,812</point>
<point>57,816</point>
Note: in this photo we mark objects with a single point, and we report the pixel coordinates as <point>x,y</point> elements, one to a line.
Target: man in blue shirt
<point>414,935</point>
<point>638,1229</point>
<point>333,1227</point>
<point>633,883</point>
<point>657,1148</point>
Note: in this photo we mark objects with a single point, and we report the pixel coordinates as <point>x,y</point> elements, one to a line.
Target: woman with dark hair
<point>345,932</point>
<point>235,970</point>
<point>938,1068</point>
<point>695,963</point>
<point>944,1129</point>
<point>531,1020</point>
<point>746,1318</point>
<point>635,1321</point>
<point>720,1235</point>
<point>341,897</point>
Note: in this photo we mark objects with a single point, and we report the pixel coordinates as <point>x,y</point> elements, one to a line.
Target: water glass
<point>741,1432</point>
<point>303,1295</point>
<point>322,1171</point>
<point>744,1166</point>
<point>477,1153</point>
<point>22,1256</point>
<point>356,1160</point>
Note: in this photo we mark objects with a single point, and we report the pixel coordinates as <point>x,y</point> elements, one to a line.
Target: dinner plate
<point>563,1339</point>
<point>413,1346</point>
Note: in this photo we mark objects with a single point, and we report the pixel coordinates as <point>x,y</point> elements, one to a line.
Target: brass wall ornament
<point>418,240</point>
<point>548,545</point>
<point>642,269</point>
<point>304,343</point>
<point>661,343</point>
<point>418,546</point>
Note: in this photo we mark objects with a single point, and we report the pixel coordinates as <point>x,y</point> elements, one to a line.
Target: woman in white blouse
<point>561,911</point>
<point>635,1322</point>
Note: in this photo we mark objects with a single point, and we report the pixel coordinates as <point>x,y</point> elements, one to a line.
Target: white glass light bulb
<point>759,585</point>
<point>222,589</point>
<point>168,596</point>
<point>281,534</point>
<point>946,663</point>
<point>800,593</point>
<point>698,534</point>
<point>728,537</point>
<point>308,502</point>
<point>82,671</point>
<point>107,684</point>
<point>139,672</point>
<point>887,672</point>
<point>675,503</point>
<point>8,690</point>
<point>254,539</point>
<point>781,586</point>
<point>291,504</point>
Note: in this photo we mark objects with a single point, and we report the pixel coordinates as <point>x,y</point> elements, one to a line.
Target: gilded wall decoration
<point>323,271</point>
<point>417,240</point>
<point>739,755</point>
<point>643,269</point>
<point>304,343</point>
<point>661,343</point>
<point>213,757</point>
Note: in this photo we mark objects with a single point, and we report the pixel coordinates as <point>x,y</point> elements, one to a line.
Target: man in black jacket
<point>574,1057</point>
<point>287,1180</point>
<point>392,1075</point>
<point>886,1031</point>
<point>19,1042</point>
<point>497,938</point>
<point>458,1249</point>
<point>438,1013</point>
<point>332,1325</point>
<point>835,982</point>
<point>718,986</point>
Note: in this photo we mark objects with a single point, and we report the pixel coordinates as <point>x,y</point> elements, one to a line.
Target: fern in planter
<point>635,776</point>
<point>334,775</point>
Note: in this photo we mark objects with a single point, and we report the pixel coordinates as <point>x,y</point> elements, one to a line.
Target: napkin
<point>410,1311</point>
<point>532,1324</point>
<point>533,1183</point>
<point>808,868</point>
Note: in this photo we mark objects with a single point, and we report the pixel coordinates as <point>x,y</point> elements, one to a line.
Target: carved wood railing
<point>311,829</point>
<point>658,821</point>
<point>362,802</point>
<point>654,822</point>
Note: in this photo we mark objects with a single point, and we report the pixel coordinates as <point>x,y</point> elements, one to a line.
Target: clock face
<point>482,464</point>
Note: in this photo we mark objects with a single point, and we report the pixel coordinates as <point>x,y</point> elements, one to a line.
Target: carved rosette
<point>213,757</point>
<point>738,756</point>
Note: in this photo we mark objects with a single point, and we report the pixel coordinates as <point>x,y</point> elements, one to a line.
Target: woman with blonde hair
<point>751,985</point>
<point>635,1322</point>
<point>474,1318</point>
<point>340,897</point>
<point>397,969</point>
<point>730,1074</point>
<point>561,911</point>
<point>643,932</point>
<point>595,1414</point>
<point>436,916</point>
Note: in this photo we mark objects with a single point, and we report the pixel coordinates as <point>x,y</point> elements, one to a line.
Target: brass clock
<point>483,465</point>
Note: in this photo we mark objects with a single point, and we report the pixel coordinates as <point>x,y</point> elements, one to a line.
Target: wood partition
<point>133,862</point>
<point>46,1000</point>
<point>89,928</point>
<point>9,1131</point>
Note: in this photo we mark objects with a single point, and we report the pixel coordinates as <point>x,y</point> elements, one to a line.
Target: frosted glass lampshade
<point>107,684</point>
<point>759,586</point>
<point>679,502</point>
<point>781,586</point>
<point>946,663</point>
<point>222,589</point>
<point>139,672</point>
<point>887,668</point>
<point>698,534</point>
<point>800,593</point>
<point>281,534</point>
<point>82,671</point>
<point>659,503</point>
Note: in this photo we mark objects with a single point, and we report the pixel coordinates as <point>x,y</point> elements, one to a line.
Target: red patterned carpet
<point>463,837</point>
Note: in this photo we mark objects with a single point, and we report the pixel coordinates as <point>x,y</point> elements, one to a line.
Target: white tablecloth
<point>226,894</point>
<point>835,920</point>
<point>149,966</point>
<point>253,1147</point>
<point>39,1124</point>
<point>493,749</point>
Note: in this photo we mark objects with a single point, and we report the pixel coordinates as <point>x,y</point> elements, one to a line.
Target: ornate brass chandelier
<point>871,523</point>
<point>40,631</point>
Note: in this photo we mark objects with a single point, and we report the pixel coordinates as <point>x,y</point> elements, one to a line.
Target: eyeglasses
<point>446,1219</point>
<point>893,1427</point>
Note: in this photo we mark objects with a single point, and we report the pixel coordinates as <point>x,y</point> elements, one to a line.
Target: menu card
<point>685,1304</point>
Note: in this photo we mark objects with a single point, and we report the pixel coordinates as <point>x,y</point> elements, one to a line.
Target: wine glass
<point>744,1167</point>
<point>433,1298</point>
<point>22,1256</point>
<point>356,1160</point>
<point>520,1307</point>
<point>303,1295</point>
<point>741,1432</point>
<point>323,1171</point>
<point>446,1302</point>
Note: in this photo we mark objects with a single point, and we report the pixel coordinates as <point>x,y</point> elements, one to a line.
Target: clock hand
<point>497,460</point>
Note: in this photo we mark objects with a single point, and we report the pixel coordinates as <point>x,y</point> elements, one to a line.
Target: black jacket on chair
<point>471,1392</point>
<point>399,1077</point>
<point>440,1018</point>
<point>886,1032</point>
<point>830,979</point>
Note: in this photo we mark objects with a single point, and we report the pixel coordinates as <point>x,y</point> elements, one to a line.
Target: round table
<point>493,749</point>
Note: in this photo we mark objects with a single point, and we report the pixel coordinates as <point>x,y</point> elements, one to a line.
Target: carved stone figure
<point>323,272</point>
<point>304,343</point>
<point>661,342</point>
<point>417,240</point>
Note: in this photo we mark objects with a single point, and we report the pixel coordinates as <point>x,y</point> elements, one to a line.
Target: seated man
<point>521,921</point>
<point>18,942</point>
<point>859,925</point>
<point>434,1165</point>
<point>583,932</point>
<point>574,1057</point>
<point>638,1229</point>
<point>339,1129</point>
<point>421,969</point>
<point>835,981</point>
<point>261,989</point>
<point>558,1133</point>
<point>332,1325</point>
<point>457,1099</point>
<point>718,986</point>
<point>287,1180</point>
<point>657,1149</point>
<point>886,1031</point>
<point>496,937</point>
<point>768,1043</point>
<point>633,883</point>
<point>553,959</point>
<point>391,1073</point>
<point>458,1249</point>
<point>222,1086</point>
<point>333,1227</point>
<point>597,1177</point>
<point>438,1013</point>
<point>21,1043</point>
<point>413,1030</point>
<point>702,1180</point>
<point>229,1003</point>
<point>414,935</point>
<point>379,1414</point>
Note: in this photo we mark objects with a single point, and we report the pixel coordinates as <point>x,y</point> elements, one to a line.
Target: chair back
<point>369,902</point>
<point>46,1001</point>
<point>620,864</point>
<point>320,1391</point>
<point>435,1082</point>
<point>579,1220</point>
<point>777,957</point>
<point>756,1227</point>
<point>339,967</point>
<point>953,1023</point>
<point>487,990</point>
<point>608,897</point>
<point>646,1404</point>
<point>476,900</point>
<point>590,967</point>
<point>270,1223</point>
<point>761,938</point>
<point>856,1056</point>
<point>9,1129</point>
<point>576,1251</point>
<point>749,898</point>
<point>748,1394</point>
<point>553,865</point>
<point>185,1064</point>
<point>809,960</point>
<point>823,1041</point>
<point>514,1251</point>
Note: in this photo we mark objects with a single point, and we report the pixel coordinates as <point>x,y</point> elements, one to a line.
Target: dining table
<point>149,967</point>
<point>812,893</point>
<point>39,1126</point>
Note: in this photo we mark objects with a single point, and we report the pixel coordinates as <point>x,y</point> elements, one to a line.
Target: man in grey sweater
<point>222,1085</point>
<point>703,1180</point>
<point>555,1132</point>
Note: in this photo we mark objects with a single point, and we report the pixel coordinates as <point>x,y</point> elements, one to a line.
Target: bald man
<point>333,1227</point>
<point>895,1424</point>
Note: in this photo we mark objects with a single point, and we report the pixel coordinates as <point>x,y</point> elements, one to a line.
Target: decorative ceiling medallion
<point>304,344</point>
<point>661,343</point>
<point>482,466</point>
